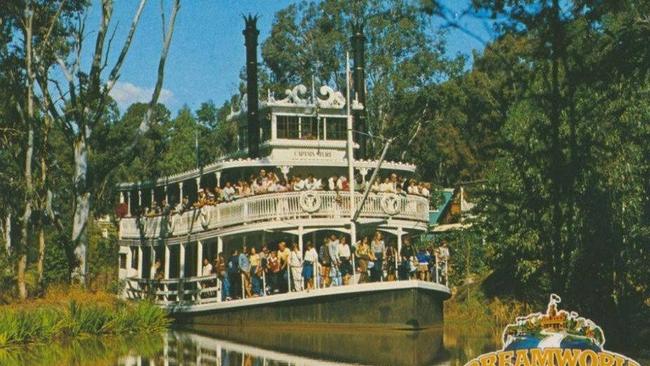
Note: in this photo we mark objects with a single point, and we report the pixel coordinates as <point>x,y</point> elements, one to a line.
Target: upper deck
<point>278,210</point>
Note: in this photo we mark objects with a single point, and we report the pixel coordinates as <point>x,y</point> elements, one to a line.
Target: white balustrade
<point>275,206</point>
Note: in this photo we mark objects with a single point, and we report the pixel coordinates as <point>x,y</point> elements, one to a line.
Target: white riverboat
<point>307,133</point>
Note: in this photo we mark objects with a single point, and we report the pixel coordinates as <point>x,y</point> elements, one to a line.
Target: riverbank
<point>74,313</point>
<point>470,307</point>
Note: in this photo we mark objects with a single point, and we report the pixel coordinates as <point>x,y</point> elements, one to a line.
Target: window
<point>287,127</point>
<point>122,260</point>
<point>308,128</point>
<point>336,128</point>
<point>134,257</point>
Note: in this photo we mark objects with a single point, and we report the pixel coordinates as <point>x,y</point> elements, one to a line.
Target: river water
<point>448,345</point>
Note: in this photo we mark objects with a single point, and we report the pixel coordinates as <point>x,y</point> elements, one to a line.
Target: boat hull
<point>408,305</point>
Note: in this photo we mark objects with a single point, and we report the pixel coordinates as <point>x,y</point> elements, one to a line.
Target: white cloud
<point>126,93</point>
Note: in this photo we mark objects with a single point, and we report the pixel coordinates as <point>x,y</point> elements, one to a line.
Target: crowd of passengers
<point>251,272</point>
<point>270,182</point>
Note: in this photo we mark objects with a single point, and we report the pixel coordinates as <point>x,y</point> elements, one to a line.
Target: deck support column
<point>139,198</point>
<point>153,194</point>
<point>181,260</point>
<point>353,241</point>
<point>220,245</point>
<point>166,194</point>
<point>180,190</point>
<point>199,258</point>
<point>218,176</point>
<point>301,232</point>
<point>140,261</point>
<point>128,203</point>
<point>398,255</point>
<point>166,274</point>
<point>153,260</point>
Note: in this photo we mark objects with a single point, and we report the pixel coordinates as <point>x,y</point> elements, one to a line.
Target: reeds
<point>21,325</point>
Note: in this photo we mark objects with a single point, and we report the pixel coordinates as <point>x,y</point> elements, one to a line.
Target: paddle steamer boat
<point>307,132</point>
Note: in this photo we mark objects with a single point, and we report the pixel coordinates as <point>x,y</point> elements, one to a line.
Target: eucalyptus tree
<point>80,104</point>
<point>566,205</point>
<point>33,31</point>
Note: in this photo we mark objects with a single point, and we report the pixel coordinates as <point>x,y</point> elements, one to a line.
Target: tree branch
<point>113,76</point>
<point>144,125</point>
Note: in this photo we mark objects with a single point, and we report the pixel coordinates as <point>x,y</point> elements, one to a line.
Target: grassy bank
<point>469,307</point>
<point>70,313</point>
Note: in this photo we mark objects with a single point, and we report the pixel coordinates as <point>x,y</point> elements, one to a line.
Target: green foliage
<point>48,322</point>
<point>566,206</point>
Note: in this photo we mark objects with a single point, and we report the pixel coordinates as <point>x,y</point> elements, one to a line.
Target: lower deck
<point>409,305</point>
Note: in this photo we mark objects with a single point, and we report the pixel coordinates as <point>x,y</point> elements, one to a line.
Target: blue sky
<point>207,52</point>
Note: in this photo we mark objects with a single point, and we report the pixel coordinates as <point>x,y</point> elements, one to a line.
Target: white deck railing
<point>274,206</point>
<point>209,289</point>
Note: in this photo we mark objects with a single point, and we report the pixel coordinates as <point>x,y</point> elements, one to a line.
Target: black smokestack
<point>251,33</point>
<point>359,74</point>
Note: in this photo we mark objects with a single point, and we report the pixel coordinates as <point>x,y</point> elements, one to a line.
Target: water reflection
<point>264,347</point>
<point>287,346</point>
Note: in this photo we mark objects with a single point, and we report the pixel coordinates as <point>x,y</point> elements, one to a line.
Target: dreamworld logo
<point>556,338</point>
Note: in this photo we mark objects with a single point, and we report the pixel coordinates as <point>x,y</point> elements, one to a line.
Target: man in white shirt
<point>228,192</point>
<point>207,268</point>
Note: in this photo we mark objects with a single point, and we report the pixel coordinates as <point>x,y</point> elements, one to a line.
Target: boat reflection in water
<point>292,347</point>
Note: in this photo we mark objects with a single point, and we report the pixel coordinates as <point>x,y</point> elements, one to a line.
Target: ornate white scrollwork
<point>310,201</point>
<point>391,203</point>
<point>335,99</point>
<point>293,97</point>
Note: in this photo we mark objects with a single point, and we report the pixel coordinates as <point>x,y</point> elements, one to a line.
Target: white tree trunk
<point>81,211</point>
